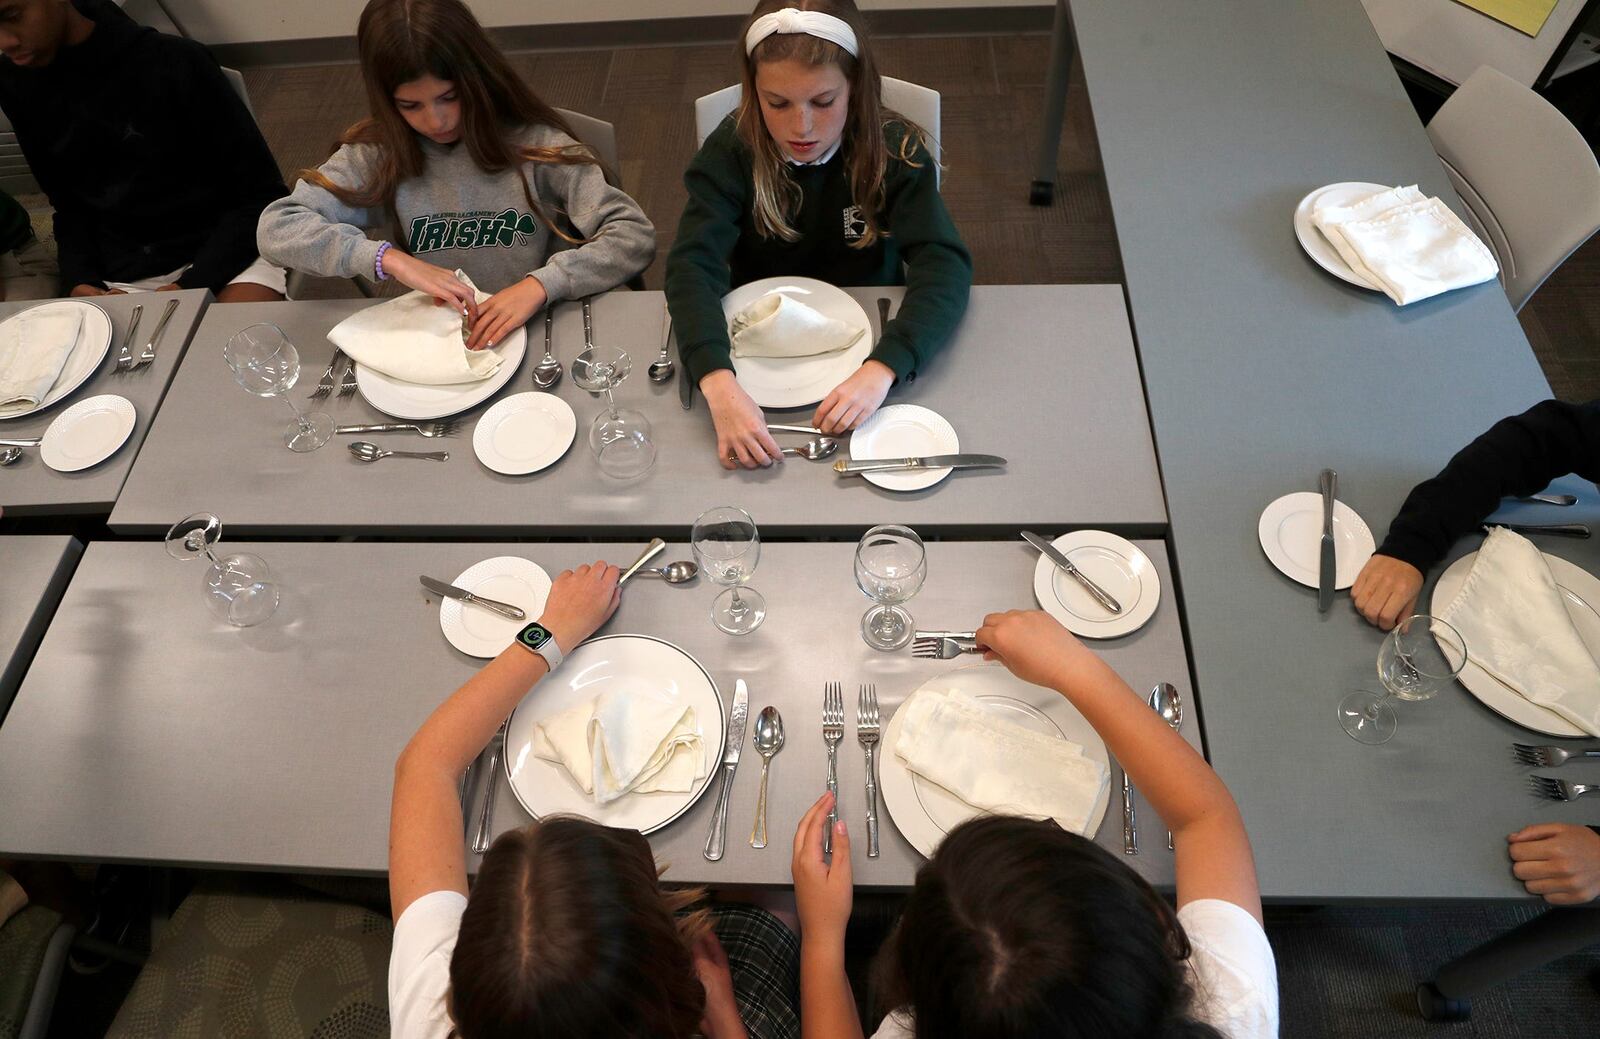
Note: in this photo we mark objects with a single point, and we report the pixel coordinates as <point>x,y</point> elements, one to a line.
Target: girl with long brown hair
<point>469,171</point>
<point>813,177</point>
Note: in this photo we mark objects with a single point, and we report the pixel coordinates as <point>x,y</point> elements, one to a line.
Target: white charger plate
<point>633,663</point>
<point>922,810</point>
<point>794,382</point>
<point>904,431</point>
<point>524,433</point>
<point>1290,531</point>
<point>87,433</point>
<point>94,339</point>
<point>1580,594</point>
<point>513,580</point>
<point>1116,565</point>
<point>410,400</point>
<point>1321,251</point>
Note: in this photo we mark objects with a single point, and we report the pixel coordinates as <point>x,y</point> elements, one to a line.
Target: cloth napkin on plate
<point>1406,244</point>
<point>620,743</point>
<point>1516,627</point>
<point>33,350</point>
<point>412,339</point>
<point>948,738</point>
<point>780,326</point>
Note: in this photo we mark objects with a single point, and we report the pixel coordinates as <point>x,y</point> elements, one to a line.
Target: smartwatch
<point>537,638</point>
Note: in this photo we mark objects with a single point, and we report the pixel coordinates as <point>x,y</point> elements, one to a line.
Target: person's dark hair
<point>569,934</point>
<point>1017,929</point>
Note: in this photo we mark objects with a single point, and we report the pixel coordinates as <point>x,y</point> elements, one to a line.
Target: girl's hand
<point>721,1020</point>
<point>503,312</point>
<point>1559,862</point>
<point>742,437</point>
<point>445,288</point>
<point>1386,591</point>
<point>853,401</point>
<point>580,601</point>
<point>1031,644</point>
<point>822,892</point>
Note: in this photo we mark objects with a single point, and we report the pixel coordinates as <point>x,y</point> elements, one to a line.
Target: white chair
<point>917,103</point>
<point>600,137</point>
<point>235,80</point>
<point>1530,182</point>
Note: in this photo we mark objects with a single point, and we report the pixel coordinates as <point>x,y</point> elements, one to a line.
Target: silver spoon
<point>680,572</point>
<point>1168,703</point>
<point>815,449</point>
<point>1550,499</point>
<point>548,371</point>
<point>9,455</point>
<point>661,368</point>
<point>768,739</point>
<point>367,451</point>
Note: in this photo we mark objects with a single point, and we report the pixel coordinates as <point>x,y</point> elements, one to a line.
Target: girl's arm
<point>624,239</point>
<point>425,825</point>
<point>1213,850</point>
<point>311,230</point>
<point>823,895</point>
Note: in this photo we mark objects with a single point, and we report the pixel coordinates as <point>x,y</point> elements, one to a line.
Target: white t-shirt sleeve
<point>897,1025</point>
<point>419,965</point>
<point>1234,976</point>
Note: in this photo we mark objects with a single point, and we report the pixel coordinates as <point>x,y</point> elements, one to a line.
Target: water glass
<point>727,546</point>
<point>1418,658</point>
<point>266,364</point>
<point>891,565</point>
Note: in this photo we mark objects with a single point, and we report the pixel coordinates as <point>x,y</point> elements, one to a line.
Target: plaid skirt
<point>764,959</point>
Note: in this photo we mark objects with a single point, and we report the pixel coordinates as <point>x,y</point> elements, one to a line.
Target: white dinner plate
<point>513,580</point>
<point>1114,563</point>
<point>1321,251</point>
<point>635,664</point>
<point>904,431</point>
<point>94,339</point>
<point>1580,594</point>
<point>413,401</point>
<point>794,382</point>
<point>924,811</point>
<point>524,433</point>
<point>87,433</point>
<point>1291,534</point>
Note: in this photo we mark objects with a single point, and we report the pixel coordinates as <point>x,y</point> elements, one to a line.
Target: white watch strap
<point>551,652</point>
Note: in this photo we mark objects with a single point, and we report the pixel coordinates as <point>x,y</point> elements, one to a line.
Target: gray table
<point>1261,369</point>
<point>33,574</point>
<point>1043,375</point>
<point>28,487</point>
<point>147,732</point>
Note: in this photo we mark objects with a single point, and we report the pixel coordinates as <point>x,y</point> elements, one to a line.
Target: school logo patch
<point>479,230</point>
<point>854,224</point>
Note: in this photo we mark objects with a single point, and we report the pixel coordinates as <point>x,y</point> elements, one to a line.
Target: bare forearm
<point>460,727</point>
<point>827,1006</point>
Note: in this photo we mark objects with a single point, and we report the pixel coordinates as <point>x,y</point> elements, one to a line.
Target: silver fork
<point>325,384</point>
<point>125,358</point>
<point>832,733</point>
<point>428,429</point>
<point>1550,757</point>
<point>149,353</point>
<point>347,388</point>
<point>480,840</point>
<point>945,647</point>
<point>867,735</point>
<point>1561,789</point>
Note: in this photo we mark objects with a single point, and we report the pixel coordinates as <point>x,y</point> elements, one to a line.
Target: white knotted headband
<point>791,20</point>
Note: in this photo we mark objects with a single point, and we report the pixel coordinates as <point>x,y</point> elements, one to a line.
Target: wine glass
<point>267,364</point>
<point>619,437</point>
<point>891,565</point>
<point>239,587</point>
<point>1418,658</point>
<point>727,546</point>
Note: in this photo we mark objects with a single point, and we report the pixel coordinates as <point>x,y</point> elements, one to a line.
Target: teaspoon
<point>367,451</point>
<point>680,572</point>
<point>815,449</point>
<point>661,368</point>
<point>768,740</point>
<point>1168,703</point>
<point>9,455</point>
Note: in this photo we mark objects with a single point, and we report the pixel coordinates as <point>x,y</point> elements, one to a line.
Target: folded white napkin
<point>949,739</point>
<point>620,743</point>
<point>1408,245</point>
<point>33,350</point>
<point>413,339</point>
<point>779,326</point>
<point>1511,615</point>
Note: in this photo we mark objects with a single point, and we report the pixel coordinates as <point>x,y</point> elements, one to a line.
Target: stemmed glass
<point>1419,657</point>
<point>619,437</point>
<point>891,565</point>
<point>727,546</point>
<point>267,364</point>
<point>239,587</point>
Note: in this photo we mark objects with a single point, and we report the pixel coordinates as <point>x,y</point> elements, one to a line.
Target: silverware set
<point>127,360</point>
<point>868,733</point>
<point>1066,566</point>
<point>346,385</point>
<point>1548,756</point>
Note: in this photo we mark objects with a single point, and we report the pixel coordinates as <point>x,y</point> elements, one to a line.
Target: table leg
<point>1547,937</point>
<point>1055,107</point>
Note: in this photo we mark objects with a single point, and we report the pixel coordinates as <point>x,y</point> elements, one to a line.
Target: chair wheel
<point>1434,1006</point>
<point>1042,193</point>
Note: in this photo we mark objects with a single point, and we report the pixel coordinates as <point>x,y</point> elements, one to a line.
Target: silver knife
<point>1130,832</point>
<point>451,591</point>
<point>1328,569</point>
<point>730,764</point>
<point>1053,554</point>
<point>878,465</point>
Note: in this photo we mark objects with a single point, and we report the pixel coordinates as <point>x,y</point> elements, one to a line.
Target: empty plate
<point>524,433</point>
<point>904,431</point>
<point>1316,245</point>
<point>513,580</point>
<point>87,433</point>
<point>1114,563</point>
<point>1291,533</point>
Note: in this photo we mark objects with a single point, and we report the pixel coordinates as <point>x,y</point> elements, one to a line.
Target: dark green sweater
<point>718,248</point>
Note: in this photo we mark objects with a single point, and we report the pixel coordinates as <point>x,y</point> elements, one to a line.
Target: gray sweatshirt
<point>457,216</point>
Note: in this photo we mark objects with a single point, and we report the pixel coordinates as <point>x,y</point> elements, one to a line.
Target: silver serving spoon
<point>548,371</point>
<point>9,455</point>
<point>661,368</point>
<point>681,572</point>
<point>1550,499</point>
<point>768,740</point>
<point>367,451</point>
<point>1168,703</point>
<point>815,449</point>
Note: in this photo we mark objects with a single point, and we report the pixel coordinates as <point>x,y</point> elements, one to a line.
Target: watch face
<point>534,636</point>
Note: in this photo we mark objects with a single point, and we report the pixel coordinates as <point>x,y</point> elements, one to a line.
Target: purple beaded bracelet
<point>377,262</point>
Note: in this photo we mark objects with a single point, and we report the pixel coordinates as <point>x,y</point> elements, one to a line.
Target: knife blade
<point>716,840</point>
<point>1055,556</point>
<point>686,384</point>
<point>879,465</point>
<point>1328,566</point>
<point>504,609</point>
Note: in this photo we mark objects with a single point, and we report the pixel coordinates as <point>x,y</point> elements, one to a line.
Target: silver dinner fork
<point>125,358</point>
<point>867,735</point>
<point>149,353</point>
<point>347,388</point>
<point>497,746</point>
<point>945,645</point>
<point>325,384</point>
<point>428,429</point>
<point>1550,757</point>
<point>832,733</point>
<point>1561,789</point>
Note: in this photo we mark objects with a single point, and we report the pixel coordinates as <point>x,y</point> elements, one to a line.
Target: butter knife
<point>686,385</point>
<point>1055,556</point>
<point>504,609</point>
<point>1130,832</point>
<point>1328,569</point>
<point>730,764</point>
<point>878,465</point>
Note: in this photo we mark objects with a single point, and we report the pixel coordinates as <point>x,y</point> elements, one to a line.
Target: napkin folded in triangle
<point>413,339</point>
<point>620,743</point>
<point>777,325</point>
<point>1406,244</point>
<point>34,348</point>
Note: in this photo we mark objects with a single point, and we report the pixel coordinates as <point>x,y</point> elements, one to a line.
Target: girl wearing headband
<point>812,177</point>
